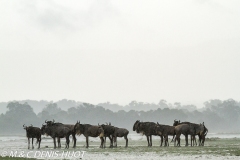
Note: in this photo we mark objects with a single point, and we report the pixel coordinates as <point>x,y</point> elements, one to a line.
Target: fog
<point>119,51</point>
<point>119,61</point>
<point>218,116</point>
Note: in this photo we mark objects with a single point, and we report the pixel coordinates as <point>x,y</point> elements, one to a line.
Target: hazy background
<point>218,116</point>
<point>117,52</point>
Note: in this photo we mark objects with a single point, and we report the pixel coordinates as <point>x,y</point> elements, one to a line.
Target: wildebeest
<point>120,132</point>
<point>165,131</point>
<point>70,127</point>
<point>201,131</point>
<point>57,130</point>
<point>108,132</point>
<point>184,129</point>
<point>33,132</point>
<point>147,129</point>
<point>89,130</point>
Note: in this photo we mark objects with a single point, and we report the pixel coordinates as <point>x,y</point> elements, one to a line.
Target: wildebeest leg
<point>39,141</point>
<point>74,140</point>
<point>87,142</point>
<point>102,142</point>
<point>59,142</point>
<point>126,140</point>
<point>177,138</point>
<point>151,140</point>
<point>186,139</point>
<point>178,141</point>
<point>199,140</point>
<point>191,136</point>
<point>115,141</point>
<point>67,142</point>
<point>175,141</point>
<point>54,142</point>
<point>32,143</point>
<point>148,140</point>
<point>161,141</point>
<point>28,143</point>
<point>165,140</point>
<point>203,140</point>
<point>111,141</point>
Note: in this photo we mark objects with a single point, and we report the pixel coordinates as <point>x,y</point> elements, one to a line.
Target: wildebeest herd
<point>59,130</point>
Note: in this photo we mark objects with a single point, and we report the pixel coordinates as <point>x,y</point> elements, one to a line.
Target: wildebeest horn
<point>31,125</point>
<point>106,123</point>
<point>24,125</point>
<point>109,123</point>
<point>53,121</point>
<point>98,124</point>
<point>157,123</point>
<point>45,121</point>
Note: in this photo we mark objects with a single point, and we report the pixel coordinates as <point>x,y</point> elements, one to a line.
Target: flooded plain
<point>217,146</point>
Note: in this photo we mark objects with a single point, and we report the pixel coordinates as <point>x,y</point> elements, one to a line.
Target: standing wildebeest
<point>89,130</point>
<point>184,129</point>
<point>70,126</point>
<point>120,132</point>
<point>165,131</point>
<point>201,131</point>
<point>57,130</point>
<point>147,129</point>
<point>108,132</point>
<point>33,132</point>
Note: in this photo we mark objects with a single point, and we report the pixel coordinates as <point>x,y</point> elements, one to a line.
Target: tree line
<point>217,115</point>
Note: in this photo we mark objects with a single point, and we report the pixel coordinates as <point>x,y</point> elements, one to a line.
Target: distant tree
<point>133,103</point>
<point>17,115</point>
<point>163,103</point>
<point>52,108</point>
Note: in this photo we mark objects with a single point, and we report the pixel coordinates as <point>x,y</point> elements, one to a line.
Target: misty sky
<point>96,51</point>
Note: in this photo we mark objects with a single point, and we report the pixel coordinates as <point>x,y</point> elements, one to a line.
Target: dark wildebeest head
<point>136,126</point>
<point>78,128</point>
<point>43,129</point>
<point>27,127</point>
<point>175,123</point>
<point>201,129</point>
<point>49,123</point>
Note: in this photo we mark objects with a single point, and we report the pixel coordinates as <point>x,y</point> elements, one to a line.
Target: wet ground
<point>217,146</point>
